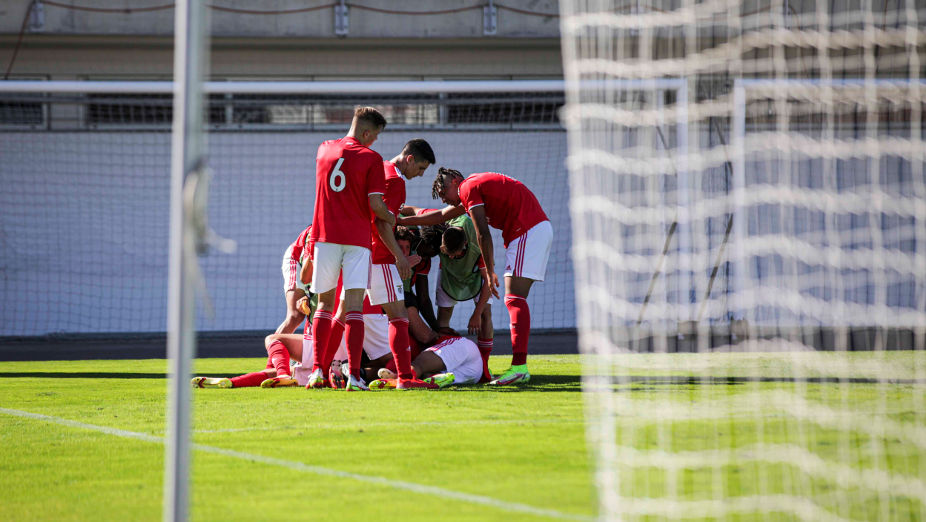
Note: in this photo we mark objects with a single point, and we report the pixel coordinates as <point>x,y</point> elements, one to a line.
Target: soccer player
<point>421,319</point>
<point>280,348</point>
<point>349,188</point>
<point>494,199</point>
<point>386,287</point>
<point>293,290</point>
<point>462,276</point>
<point>453,360</point>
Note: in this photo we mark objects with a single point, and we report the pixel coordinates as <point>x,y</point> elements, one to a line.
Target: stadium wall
<point>85,217</point>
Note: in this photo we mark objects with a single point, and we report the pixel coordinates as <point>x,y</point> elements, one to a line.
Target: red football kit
<point>346,174</point>
<point>299,244</point>
<point>394,197</point>
<point>509,205</point>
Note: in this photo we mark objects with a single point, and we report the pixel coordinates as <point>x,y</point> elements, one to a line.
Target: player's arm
<point>388,236</point>
<point>408,210</point>
<point>378,206</point>
<point>478,214</point>
<point>305,273</point>
<point>425,308</point>
<point>433,218</point>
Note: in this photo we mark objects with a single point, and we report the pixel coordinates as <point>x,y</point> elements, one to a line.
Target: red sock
<point>354,332</point>
<point>321,328</point>
<point>334,341</point>
<point>520,327</point>
<point>485,349</point>
<point>398,344</point>
<point>391,365</point>
<point>279,356</point>
<point>249,380</point>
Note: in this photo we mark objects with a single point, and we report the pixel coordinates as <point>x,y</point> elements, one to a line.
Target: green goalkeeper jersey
<point>460,278</point>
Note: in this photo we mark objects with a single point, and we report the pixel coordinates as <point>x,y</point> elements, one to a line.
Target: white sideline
<point>318,470</point>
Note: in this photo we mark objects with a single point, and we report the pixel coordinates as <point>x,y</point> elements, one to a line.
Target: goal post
<point>750,295</point>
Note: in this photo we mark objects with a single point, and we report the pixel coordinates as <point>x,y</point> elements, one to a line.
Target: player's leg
<point>280,349</point>
<point>386,290</point>
<point>335,343</point>
<point>356,276</point>
<point>526,259</point>
<point>485,342</point>
<point>327,266</point>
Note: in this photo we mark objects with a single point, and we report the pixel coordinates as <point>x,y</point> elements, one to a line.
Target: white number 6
<point>338,180</point>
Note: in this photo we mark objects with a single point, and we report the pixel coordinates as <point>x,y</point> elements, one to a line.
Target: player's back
<point>346,173</point>
<point>509,205</point>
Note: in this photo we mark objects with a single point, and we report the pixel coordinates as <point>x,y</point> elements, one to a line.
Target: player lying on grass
<point>494,199</point>
<point>453,360</point>
<point>463,276</point>
<point>280,349</point>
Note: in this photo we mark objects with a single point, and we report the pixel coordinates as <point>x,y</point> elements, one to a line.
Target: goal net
<point>749,238</point>
<point>85,170</point>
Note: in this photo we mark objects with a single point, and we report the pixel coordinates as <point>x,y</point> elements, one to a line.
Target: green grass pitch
<point>81,440</point>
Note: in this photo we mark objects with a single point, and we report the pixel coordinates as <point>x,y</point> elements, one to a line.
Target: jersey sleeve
<point>376,178</point>
<point>394,195</point>
<point>470,196</point>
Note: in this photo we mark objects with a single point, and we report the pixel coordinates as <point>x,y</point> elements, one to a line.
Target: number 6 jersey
<point>346,174</point>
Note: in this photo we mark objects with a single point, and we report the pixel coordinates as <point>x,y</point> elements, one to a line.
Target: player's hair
<point>431,237</point>
<point>369,117</point>
<point>454,239</point>
<point>420,149</point>
<point>409,234</point>
<point>440,181</point>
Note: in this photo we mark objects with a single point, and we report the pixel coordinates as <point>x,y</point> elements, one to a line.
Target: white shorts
<point>445,301</point>
<point>527,255</point>
<point>461,357</point>
<point>331,259</point>
<point>375,336</point>
<point>385,285</point>
<point>291,269</point>
<point>302,370</point>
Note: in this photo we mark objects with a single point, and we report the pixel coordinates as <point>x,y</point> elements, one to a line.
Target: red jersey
<point>299,244</point>
<point>346,174</point>
<point>394,198</point>
<point>509,205</point>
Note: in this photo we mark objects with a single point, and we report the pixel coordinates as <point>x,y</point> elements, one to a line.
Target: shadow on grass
<point>573,383</point>
<point>84,375</point>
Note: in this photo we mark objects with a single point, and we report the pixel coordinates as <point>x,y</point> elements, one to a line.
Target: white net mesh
<point>749,215</point>
<point>86,186</point>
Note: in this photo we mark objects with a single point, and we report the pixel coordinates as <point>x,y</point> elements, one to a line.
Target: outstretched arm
<point>408,210</point>
<point>478,213</point>
<point>433,218</point>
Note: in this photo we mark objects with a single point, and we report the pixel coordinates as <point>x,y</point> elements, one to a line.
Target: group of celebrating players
<point>368,294</point>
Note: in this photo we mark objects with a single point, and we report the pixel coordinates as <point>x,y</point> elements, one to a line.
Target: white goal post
<point>749,256</point>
